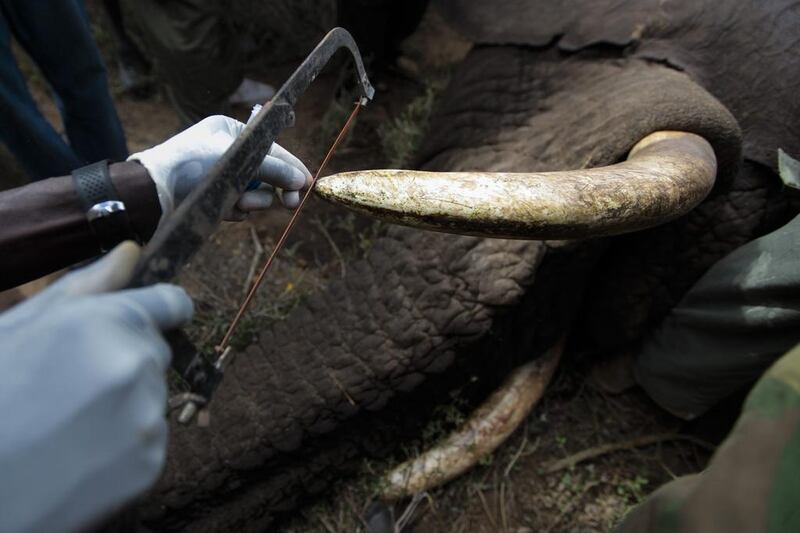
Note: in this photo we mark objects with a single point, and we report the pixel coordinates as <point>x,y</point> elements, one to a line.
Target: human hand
<point>179,163</point>
<point>83,395</point>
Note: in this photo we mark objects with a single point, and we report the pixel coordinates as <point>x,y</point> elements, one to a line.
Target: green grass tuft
<point>401,137</point>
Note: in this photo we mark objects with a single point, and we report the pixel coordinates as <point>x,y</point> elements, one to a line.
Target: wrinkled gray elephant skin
<point>545,88</point>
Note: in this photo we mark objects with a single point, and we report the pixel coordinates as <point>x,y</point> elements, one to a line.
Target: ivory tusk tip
<point>487,428</point>
<point>666,174</point>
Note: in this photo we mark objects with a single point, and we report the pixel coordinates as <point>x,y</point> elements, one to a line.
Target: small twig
<point>534,448</point>
<point>342,389</point>
<point>518,453</point>
<point>207,292</point>
<point>682,454</point>
<point>461,524</point>
<point>317,222</point>
<point>329,528</point>
<point>605,449</point>
<point>595,421</point>
<point>486,510</point>
<point>350,503</point>
<point>248,282</point>
<point>697,459</point>
<point>409,511</point>
<point>503,514</point>
<point>667,469</point>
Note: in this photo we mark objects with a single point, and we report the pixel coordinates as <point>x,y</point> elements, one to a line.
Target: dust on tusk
<point>487,428</point>
<point>667,173</point>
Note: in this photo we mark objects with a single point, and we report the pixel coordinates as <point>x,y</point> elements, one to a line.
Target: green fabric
<point>777,393</point>
<point>736,320</point>
<point>194,49</point>
<point>670,520</point>
<point>661,511</point>
<point>752,483</point>
<point>784,501</point>
<point>771,398</point>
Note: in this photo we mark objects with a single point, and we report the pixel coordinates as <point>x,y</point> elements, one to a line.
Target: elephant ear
<point>567,113</point>
<point>743,52</point>
<point>538,23</point>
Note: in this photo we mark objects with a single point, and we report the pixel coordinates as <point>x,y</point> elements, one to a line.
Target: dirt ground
<point>633,444</point>
<point>530,485</point>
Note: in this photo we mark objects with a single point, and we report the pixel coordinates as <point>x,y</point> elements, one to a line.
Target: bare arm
<point>43,227</point>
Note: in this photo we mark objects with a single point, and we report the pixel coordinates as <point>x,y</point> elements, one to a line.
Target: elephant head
<point>549,86</point>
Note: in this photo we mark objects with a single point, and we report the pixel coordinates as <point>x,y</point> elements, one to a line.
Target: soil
<point>509,492</point>
<point>514,491</point>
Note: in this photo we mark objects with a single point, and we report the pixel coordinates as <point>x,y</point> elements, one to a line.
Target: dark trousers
<point>57,36</point>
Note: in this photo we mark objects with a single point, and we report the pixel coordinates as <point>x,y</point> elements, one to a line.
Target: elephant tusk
<point>487,428</point>
<point>666,174</point>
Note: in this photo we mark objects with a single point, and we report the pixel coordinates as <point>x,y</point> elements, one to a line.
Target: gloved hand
<point>83,395</point>
<point>178,164</point>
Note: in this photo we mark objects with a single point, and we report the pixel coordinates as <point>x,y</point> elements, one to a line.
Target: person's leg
<point>194,51</point>
<point>733,323</point>
<point>752,482</point>
<point>57,35</point>
<point>132,67</point>
<point>34,142</point>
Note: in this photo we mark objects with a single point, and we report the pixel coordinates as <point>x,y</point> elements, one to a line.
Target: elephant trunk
<point>666,174</point>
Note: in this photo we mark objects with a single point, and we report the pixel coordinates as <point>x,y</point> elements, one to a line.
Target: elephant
<point>547,86</point>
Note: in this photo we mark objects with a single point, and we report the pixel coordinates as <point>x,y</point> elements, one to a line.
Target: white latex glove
<point>178,164</point>
<point>83,395</point>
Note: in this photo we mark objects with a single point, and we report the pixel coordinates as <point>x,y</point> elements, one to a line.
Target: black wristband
<point>104,210</point>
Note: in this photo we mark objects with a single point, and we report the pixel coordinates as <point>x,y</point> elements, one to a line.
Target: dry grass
<point>217,277</point>
<point>402,136</point>
<point>511,490</point>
